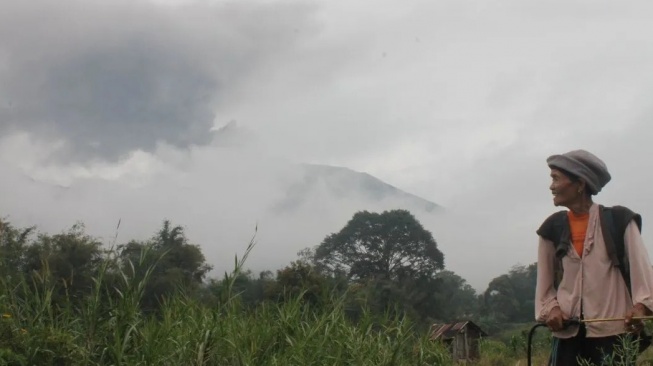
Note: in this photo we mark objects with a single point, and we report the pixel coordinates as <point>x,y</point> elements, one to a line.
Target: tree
<point>454,298</point>
<point>72,258</point>
<point>13,244</point>
<point>250,290</point>
<point>510,297</point>
<point>389,260</point>
<point>175,264</point>
<point>391,246</point>
<point>299,280</point>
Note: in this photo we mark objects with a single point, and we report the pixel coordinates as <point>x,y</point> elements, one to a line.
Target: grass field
<point>113,330</point>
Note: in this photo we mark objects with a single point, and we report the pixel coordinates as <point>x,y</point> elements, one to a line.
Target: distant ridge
<point>341,182</point>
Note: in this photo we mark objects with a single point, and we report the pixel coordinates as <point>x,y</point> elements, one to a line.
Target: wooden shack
<point>462,339</point>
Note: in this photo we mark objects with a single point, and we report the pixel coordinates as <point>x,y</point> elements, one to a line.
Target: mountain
<point>305,187</point>
<point>343,183</point>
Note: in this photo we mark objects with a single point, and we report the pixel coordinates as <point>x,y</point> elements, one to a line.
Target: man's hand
<point>636,325</point>
<point>556,319</point>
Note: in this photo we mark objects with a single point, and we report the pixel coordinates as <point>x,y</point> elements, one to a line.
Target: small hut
<point>461,338</point>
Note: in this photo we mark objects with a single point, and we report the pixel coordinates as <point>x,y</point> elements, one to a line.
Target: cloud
<point>110,78</point>
<point>456,102</point>
<point>222,194</point>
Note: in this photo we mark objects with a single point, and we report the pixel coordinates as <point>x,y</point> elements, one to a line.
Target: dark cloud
<point>109,79</point>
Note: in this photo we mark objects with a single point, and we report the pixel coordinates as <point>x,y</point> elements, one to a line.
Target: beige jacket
<point>594,281</point>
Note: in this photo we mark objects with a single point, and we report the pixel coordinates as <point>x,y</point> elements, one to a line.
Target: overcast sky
<point>112,110</point>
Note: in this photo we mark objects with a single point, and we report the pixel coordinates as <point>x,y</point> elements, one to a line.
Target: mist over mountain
<point>241,192</point>
<point>343,183</point>
<point>231,190</point>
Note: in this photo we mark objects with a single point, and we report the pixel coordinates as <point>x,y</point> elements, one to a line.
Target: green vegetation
<point>364,296</point>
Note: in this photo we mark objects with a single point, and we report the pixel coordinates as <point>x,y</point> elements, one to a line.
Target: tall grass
<point>108,327</point>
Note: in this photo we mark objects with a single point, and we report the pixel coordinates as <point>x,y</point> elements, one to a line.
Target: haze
<point>205,113</point>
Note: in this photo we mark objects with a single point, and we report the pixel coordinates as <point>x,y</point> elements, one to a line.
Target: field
<point>34,332</point>
<point>45,322</point>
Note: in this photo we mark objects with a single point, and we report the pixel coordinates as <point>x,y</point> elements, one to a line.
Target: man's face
<point>563,189</point>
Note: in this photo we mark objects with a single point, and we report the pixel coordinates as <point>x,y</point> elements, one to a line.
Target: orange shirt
<point>578,225</point>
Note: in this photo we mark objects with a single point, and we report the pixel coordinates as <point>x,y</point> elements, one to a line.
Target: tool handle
<point>616,319</point>
<point>571,321</point>
<point>567,322</point>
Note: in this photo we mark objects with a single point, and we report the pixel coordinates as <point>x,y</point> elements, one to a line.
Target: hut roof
<point>448,331</point>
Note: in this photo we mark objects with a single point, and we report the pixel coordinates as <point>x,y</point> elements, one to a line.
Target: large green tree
<point>390,260</point>
<point>392,245</point>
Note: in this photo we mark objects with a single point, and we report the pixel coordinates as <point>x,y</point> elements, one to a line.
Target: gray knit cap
<point>585,165</point>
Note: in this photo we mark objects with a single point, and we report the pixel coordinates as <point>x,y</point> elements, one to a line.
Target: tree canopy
<point>175,263</point>
<point>510,297</point>
<point>391,245</point>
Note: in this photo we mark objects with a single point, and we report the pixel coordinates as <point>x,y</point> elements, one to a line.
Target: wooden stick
<point>615,319</point>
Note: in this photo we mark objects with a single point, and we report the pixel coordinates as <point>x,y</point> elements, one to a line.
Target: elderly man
<point>592,264</point>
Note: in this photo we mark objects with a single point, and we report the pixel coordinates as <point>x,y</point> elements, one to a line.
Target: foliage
<point>391,263</point>
<point>366,295</point>
<point>509,298</point>
<point>175,264</point>
<point>185,331</point>
<point>299,280</point>
<point>391,246</point>
<point>250,290</point>
<point>13,243</point>
<point>453,297</point>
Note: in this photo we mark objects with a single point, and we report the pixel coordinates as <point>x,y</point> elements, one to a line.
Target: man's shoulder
<point>620,209</point>
<point>551,224</point>
<point>623,215</point>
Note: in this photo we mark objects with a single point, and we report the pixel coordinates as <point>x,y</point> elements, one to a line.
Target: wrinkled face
<point>564,190</point>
